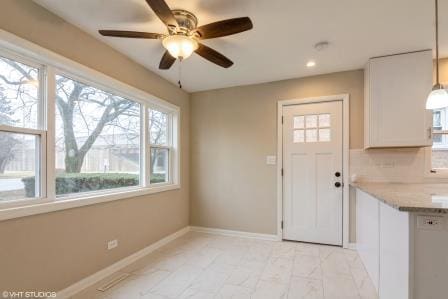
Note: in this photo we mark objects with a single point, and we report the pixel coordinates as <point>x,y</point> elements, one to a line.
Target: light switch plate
<point>271,160</point>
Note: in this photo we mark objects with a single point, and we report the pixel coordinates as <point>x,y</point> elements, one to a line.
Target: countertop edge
<point>398,207</point>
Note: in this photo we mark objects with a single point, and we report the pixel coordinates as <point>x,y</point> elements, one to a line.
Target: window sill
<point>47,206</point>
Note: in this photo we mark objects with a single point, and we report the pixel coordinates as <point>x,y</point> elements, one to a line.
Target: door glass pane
<point>324,135</point>
<point>158,127</point>
<point>19,94</point>
<point>311,135</point>
<point>18,156</point>
<point>299,136</point>
<point>311,121</point>
<point>97,139</point>
<point>324,120</point>
<point>159,165</point>
<point>299,122</point>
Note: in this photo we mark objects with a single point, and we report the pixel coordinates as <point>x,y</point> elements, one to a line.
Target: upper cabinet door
<point>396,88</point>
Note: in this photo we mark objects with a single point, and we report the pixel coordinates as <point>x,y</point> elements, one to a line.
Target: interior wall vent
<point>113,282</point>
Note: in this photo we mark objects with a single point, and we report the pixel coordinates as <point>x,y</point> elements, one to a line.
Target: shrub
<point>84,182</point>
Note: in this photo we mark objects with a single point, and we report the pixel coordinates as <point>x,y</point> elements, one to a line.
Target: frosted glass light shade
<point>438,98</point>
<point>180,46</point>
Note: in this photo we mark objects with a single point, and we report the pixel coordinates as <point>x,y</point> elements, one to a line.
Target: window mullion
<point>50,97</point>
<point>145,172</point>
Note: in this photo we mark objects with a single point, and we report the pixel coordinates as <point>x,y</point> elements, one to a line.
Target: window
<point>439,153</point>
<point>160,144</point>
<point>97,139</point>
<point>68,132</point>
<point>312,128</point>
<point>21,134</point>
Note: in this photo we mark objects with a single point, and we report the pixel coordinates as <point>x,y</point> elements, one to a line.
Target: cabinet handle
<point>429,133</point>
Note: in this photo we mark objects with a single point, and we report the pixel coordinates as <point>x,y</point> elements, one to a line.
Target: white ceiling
<point>282,39</point>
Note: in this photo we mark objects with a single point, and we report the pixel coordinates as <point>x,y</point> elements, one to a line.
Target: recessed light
<point>311,63</point>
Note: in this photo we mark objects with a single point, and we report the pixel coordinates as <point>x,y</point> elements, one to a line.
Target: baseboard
<point>352,246</point>
<point>234,233</point>
<point>96,277</point>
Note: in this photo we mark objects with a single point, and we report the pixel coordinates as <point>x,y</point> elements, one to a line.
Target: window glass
<point>159,165</point>
<point>439,157</point>
<point>160,146</point>
<point>97,139</point>
<point>19,94</point>
<point>18,157</point>
<point>311,121</point>
<point>299,136</point>
<point>158,127</point>
<point>299,122</point>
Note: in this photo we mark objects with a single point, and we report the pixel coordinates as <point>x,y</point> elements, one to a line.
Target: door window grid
<point>312,128</point>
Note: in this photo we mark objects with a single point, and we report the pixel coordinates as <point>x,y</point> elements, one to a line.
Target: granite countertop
<point>419,197</point>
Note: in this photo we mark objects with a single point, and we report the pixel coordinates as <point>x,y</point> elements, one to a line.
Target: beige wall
<point>51,251</point>
<point>232,132</point>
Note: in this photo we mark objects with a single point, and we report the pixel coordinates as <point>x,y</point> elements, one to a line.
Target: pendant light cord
<point>180,72</point>
<point>437,42</point>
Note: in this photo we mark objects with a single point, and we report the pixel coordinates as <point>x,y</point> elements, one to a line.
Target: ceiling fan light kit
<point>184,35</point>
<point>180,46</point>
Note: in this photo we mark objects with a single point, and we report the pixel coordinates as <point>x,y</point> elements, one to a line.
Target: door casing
<point>345,98</point>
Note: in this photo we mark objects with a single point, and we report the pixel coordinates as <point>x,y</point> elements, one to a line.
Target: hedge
<point>83,182</point>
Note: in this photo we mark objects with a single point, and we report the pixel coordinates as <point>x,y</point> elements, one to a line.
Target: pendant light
<point>438,98</point>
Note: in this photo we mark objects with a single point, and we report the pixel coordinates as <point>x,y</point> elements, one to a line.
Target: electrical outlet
<point>430,222</point>
<point>112,244</point>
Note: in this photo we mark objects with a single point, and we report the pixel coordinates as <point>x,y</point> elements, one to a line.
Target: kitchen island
<point>402,238</point>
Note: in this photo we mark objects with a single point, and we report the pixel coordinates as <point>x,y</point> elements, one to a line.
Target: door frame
<point>345,98</point>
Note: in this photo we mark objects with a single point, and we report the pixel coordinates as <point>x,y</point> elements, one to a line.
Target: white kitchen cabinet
<point>395,92</point>
<point>367,234</point>
<point>394,254</point>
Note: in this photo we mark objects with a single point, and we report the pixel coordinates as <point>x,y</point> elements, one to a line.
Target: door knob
<point>337,184</point>
<point>337,174</point>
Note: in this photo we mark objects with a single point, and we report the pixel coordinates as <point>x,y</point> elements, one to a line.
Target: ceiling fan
<point>184,35</point>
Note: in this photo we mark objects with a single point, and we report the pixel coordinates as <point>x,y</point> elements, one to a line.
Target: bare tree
<point>72,98</point>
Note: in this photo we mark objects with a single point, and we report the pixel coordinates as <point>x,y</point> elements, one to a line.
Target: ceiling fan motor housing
<point>186,20</point>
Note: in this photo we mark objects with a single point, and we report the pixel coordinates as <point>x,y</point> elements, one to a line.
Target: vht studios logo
<point>28,294</point>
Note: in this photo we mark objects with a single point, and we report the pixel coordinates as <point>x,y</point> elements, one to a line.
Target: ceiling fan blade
<point>131,34</point>
<point>225,27</point>
<point>167,61</point>
<point>163,11</point>
<point>213,56</point>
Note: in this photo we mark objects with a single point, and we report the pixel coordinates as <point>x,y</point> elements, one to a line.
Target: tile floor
<point>199,265</point>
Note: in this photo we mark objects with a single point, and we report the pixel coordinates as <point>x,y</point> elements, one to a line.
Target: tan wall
<point>232,132</point>
<point>51,251</point>
<point>443,72</point>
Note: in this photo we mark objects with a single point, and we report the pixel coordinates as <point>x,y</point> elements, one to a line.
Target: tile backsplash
<point>404,165</point>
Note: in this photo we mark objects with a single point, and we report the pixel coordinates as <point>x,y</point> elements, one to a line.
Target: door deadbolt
<point>337,174</point>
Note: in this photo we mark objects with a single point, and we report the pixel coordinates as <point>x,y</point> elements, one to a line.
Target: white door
<point>312,172</point>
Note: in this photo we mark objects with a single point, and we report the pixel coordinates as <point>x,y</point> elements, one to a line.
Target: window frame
<point>430,172</point>
<point>40,131</point>
<point>51,65</point>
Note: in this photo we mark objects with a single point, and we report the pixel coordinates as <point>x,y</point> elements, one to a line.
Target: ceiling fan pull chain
<point>180,73</point>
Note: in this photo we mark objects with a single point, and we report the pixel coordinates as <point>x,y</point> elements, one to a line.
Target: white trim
<point>345,98</point>
<point>351,246</point>
<point>96,277</point>
<point>46,206</point>
<point>234,233</point>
